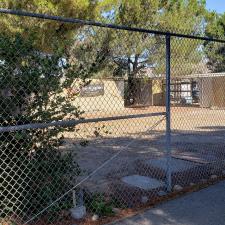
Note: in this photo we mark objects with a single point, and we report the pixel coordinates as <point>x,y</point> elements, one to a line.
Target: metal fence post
<point>168,128</point>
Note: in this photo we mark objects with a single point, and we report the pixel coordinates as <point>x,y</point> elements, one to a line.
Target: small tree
<point>133,54</point>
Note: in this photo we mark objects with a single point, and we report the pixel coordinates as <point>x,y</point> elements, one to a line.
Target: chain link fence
<point>110,121</point>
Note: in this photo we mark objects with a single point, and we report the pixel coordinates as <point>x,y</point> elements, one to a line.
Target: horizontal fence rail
<point>71,123</point>
<point>97,24</point>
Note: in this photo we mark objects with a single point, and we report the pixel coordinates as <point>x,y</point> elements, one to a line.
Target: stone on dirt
<point>177,188</point>
<point>95,217</point>
<point>116,210</point>
<point>78,212</point>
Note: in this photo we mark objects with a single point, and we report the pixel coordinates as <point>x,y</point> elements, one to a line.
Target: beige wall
<point>113,98</point>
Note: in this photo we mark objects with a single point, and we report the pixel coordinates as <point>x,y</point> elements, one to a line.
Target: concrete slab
<point>177,165</point>
<point>142,182</point>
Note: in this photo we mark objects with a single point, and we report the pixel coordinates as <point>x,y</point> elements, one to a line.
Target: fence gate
<point>185,91</point>
<point>72,150</point>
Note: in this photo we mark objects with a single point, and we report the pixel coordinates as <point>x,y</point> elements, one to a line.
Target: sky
<point>217,5</point>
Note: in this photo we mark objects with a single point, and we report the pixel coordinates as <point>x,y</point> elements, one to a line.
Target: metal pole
<point>168,128</point>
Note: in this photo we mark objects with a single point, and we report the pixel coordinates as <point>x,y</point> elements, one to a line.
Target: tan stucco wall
<point>113,98</point>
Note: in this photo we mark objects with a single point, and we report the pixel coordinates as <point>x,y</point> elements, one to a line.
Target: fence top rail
<point>75,122</point>
<point>105,25</point>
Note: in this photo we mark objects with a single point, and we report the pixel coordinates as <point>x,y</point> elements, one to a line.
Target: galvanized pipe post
<point>168,119</point>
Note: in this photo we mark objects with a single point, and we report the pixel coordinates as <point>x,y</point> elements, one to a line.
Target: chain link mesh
<point>107,154</point>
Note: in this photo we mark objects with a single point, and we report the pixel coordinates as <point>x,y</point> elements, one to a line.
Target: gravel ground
<point>193,130</point>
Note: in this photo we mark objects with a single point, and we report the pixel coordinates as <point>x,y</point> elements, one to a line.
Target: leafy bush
<point>33,171</point>
<point>97,204</point>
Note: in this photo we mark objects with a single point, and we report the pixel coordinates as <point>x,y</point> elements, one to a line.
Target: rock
<point>192,184</point>
<point>116,210</point>
<point>78,212</point>
<point>95,217</point>
<point>177,188</point>
<point>65,213</point>
<point>162,193</point>
<point>213,176</point>
<point>144,199</point>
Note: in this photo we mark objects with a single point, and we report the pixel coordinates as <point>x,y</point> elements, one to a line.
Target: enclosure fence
<point>99,119</point>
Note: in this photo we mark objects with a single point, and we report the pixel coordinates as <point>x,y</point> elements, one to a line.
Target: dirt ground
<point>194,130</point>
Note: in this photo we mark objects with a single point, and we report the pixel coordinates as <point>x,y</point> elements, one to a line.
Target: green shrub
<point>33,170</point>
<point>98,204</point>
